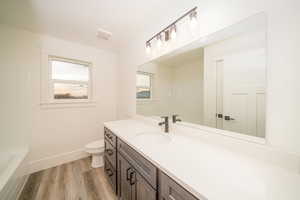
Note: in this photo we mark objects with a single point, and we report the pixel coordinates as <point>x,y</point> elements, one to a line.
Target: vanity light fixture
<point>159,40</point>
<point>148,47</point>
<point>170,32</point>
<point>193,19</point>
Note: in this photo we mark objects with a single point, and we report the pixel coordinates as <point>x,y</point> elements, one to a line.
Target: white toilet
<point>96,149</point>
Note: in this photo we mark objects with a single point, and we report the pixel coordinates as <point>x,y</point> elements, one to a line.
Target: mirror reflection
<point>221,84</point>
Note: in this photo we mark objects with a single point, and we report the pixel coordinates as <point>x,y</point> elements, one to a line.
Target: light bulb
<point>159,41</point>
<point>193,23</point>
<point>173,32</point>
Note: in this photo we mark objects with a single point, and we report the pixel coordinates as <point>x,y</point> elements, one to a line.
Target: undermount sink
<point>153,137</point>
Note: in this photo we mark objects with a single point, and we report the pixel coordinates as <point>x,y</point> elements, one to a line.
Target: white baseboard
<point>56,160</point>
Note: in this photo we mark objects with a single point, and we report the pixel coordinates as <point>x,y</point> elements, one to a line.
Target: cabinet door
<point>142,165</point>
<point>124,186</point>
<point>170,190</point>
<point>141,189</point>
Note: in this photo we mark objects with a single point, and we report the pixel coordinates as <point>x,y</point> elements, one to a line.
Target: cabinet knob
<point>127,173</point>
<point>109,172</point>
<point>109,152</point>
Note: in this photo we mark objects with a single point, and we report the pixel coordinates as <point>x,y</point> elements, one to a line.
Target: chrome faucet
<point>175,119</point>
<point>165,122</point>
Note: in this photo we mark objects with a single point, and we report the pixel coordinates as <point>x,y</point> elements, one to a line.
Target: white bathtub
<point>5,160</point>
<point>9,163</point>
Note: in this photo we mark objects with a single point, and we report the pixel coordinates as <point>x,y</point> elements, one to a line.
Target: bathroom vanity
<point>133,177</point>
<point>142,162</point>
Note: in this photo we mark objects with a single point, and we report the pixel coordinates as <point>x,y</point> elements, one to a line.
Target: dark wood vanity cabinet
<point>142,165</point>
<point>170,190</point>
<point>125,174</point>
<point>135,178</point>
<point>132,186</point>
<point>111,174</point>
<point>142,190</point>
<point>110,158</point>
<point>110,137</point>
<point>110,153</point>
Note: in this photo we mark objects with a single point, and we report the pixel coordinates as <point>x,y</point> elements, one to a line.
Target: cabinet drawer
<point>109,136</point>
<point>110,153</point>
<point>170,190</point>
<point>111,174</point>
<point>143,166</point>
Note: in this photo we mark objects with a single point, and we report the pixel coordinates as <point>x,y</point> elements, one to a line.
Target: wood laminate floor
<point>70,181</point>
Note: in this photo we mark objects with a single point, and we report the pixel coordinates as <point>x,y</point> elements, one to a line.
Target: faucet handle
<point>174,118</point>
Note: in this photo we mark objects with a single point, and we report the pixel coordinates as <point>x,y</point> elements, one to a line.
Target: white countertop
<point>208,170</point>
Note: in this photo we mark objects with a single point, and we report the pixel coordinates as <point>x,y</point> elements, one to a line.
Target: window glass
<point>69,71</point>
<point>70,91</point>
<point>143,85</point>
<point>143,80</point>
<point>143,93</point>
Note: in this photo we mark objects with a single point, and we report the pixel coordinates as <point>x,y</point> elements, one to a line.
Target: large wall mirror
<point>218,81</point>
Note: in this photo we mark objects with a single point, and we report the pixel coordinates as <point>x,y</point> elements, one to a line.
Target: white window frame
<point>51,81</point>
<point>151,86</point>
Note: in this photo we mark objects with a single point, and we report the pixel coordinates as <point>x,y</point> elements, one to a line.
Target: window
<point>143,85</point>
<point>69,80</point>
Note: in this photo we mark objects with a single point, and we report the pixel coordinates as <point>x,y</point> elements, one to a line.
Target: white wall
<point>59,134</point>
<point>177,89</point>
<point>15,89</point>
<point>15,106</point>
<point>159,105</point>
<point>187,99</point>
<point>70,129</point>
<point>283,63</point>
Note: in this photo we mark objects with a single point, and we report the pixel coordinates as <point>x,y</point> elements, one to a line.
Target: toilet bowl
<point>96,149</point>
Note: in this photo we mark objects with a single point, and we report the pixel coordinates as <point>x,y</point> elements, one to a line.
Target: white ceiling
<point>78,20</point>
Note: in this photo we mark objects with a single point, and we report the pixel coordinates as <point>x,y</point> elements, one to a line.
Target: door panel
<point>243,79</point>
<point>260,114</point>
<point>219,91</point>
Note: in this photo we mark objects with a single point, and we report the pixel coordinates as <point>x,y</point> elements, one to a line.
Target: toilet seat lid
<point>95,144</point>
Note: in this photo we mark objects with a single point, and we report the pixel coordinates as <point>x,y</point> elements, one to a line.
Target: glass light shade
<point>148,48</point>
<point>193,20</point>
<point>159,41</point>
<point>173,32</point>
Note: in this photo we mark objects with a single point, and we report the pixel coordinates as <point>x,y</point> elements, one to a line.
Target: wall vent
<point>103,34</point>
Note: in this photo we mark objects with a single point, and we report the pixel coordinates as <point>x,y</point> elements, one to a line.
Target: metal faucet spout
<point>165,122</point>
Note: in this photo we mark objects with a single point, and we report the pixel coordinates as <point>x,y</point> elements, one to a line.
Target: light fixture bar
<point>173,23</point>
